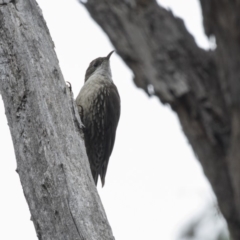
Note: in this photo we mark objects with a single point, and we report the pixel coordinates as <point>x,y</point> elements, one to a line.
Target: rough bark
<point>46,132</point>
<point>202,87</point>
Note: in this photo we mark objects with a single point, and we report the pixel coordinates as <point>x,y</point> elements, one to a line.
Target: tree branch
<point>50,152</point>
<point>162,53</point>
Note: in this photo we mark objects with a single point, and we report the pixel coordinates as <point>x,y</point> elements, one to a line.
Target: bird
<point>99,107</point>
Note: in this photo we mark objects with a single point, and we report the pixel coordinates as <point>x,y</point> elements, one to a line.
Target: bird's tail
<point>95,176</point>
<point>103,172</point>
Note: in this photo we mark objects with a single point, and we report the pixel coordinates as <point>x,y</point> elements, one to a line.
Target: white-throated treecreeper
<point>99,107</point>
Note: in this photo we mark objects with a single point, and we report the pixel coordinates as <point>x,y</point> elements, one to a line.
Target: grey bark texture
<point>202,87</point>
<point>46,130</point>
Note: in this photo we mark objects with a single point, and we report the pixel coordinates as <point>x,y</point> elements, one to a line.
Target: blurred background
<point>155,187</point>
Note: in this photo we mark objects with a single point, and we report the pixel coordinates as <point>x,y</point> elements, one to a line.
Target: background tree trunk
<point>46,130</point>
<point>202,87</point>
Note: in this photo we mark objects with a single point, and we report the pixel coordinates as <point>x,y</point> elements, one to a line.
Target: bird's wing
<point>111,118</point>
<point>100,114</point>
<point>87,105</point>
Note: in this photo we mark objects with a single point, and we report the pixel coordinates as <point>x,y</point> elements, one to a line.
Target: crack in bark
<point>81,237</point>
<point>74,221</point>
<point>77,119</point>
<point>2,3</point>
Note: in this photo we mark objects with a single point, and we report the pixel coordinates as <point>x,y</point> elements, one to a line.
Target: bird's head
<point>99,65</point>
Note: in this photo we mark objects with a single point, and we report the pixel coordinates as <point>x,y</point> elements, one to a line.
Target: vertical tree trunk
<point>46,130</point>
<point>202,87</point>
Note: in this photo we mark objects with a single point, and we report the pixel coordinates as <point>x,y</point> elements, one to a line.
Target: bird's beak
<point>109,55</point>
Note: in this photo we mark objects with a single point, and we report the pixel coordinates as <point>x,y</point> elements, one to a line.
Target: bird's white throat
<point>103,70</point>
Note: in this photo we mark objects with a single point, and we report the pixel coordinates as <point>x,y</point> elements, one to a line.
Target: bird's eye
<point>95,64</point>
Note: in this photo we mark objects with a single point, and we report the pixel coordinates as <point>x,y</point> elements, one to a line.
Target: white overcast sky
<point>154,183</point>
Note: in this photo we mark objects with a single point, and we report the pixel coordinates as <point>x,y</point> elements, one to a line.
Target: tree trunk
<point>202,87</point>
<point>46,130</point>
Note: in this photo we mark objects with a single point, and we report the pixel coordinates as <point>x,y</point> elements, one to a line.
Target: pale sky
<point>154,183</point>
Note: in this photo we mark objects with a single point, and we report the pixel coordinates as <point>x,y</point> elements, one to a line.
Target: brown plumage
<point>99,107</point>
